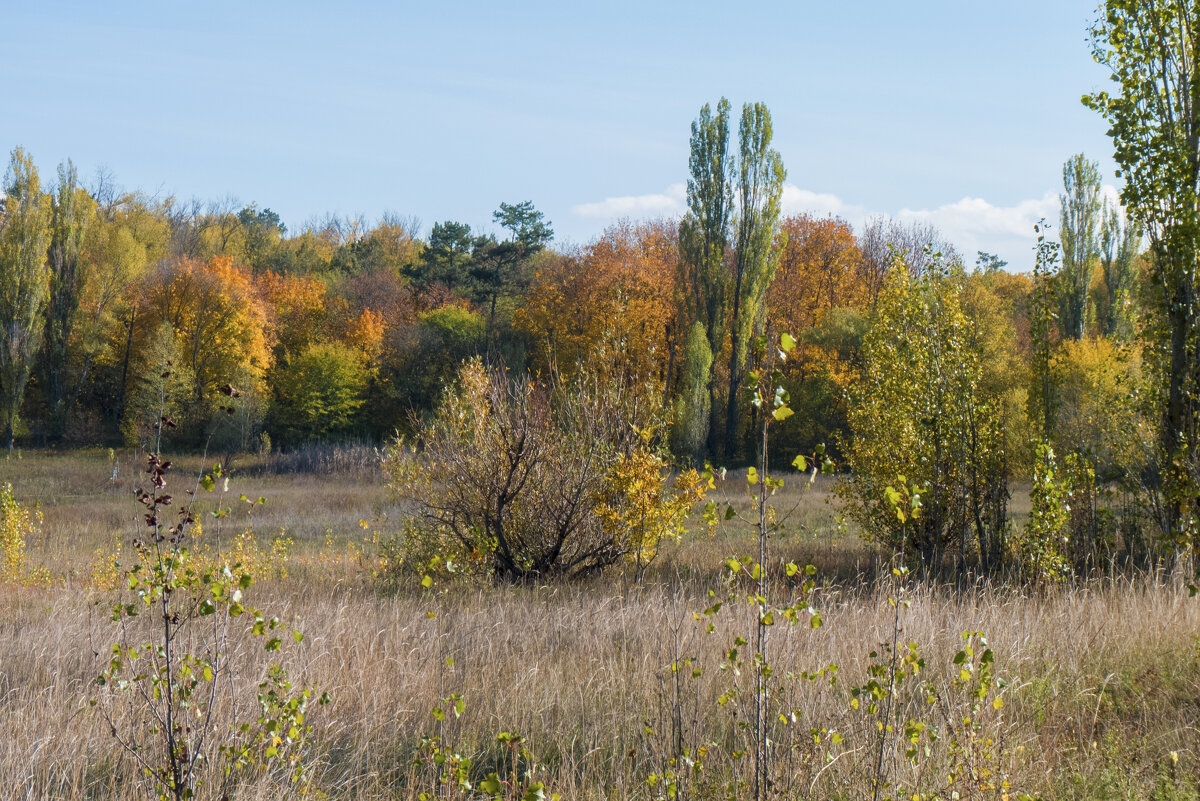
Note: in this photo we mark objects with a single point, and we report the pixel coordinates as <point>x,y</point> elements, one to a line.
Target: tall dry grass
<point>1104,677</point>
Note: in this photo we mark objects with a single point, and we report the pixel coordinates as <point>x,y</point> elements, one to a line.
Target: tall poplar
<point>759,189</point>
<point>1152,49</point>
<point>73,210</point>
<point>24,279</point>
<point>1079,215</point>
<point>704,236</point>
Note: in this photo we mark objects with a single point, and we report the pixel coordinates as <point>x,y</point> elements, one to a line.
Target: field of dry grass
<point>1103,678</point>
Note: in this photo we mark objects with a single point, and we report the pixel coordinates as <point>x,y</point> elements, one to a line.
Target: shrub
<point>921,411</point>
<point>17,526</point>
<point>510,476</point>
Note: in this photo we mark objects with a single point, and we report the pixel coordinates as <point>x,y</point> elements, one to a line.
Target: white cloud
<point>669,203</point>
<point>796,200</point>
<point>971,224</point>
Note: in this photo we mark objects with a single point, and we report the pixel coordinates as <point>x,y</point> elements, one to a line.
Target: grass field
<point>1103,677</point>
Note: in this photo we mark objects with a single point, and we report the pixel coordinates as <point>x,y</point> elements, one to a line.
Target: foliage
<point>24,281</point>
<point>1079,228</point>
<point>1155,128</point>
<point>622,285</point>
<point>639,505</point>
<point>508,474</point>
<point>704,233</point>
<point>18,525</point>
<point>175,658</point>
<point>320,392</point>
<point>760,177</point>
<point>690,421</point>
<point>920,410</point>
<point>1041,546</point>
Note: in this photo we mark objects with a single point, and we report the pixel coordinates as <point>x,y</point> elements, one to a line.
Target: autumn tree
<point>320,391</point>
<point>760,177</point>
<point>620,285</point>
<point>821,294</point>
<point>1079,230</point>
<point>1151,48</point>
<point>24,280</point>
<point>220,327</point>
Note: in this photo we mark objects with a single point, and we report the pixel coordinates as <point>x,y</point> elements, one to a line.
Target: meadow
<point>1100,690</point>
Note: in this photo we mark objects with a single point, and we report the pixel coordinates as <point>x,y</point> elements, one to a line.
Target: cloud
<point>796,200</point>
<point>669,203</point>
<point>971,224</point>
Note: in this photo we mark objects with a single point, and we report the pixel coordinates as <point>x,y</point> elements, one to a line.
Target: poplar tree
<point>24,279</point>
<point>759,188</point>
<point>704,236</point>
<point>73,210</point>
<point>1119,240</point>
<point>1079,216</point>
<point>1152,48</point>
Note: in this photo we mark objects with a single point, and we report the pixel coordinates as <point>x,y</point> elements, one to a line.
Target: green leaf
<point>782,413</point>
<point>751,476</point>
<point>787,342</point>
<point>207,482</point>
<point>800,463</point>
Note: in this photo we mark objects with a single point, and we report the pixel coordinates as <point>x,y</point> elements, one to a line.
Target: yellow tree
<point>219,324</point>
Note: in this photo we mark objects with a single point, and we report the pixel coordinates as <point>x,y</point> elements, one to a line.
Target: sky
<point>956,113</point>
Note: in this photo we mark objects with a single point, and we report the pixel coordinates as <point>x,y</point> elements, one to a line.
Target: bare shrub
<point>509,474</point>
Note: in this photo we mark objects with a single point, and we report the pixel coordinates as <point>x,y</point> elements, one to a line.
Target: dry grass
<point>1104,679</point>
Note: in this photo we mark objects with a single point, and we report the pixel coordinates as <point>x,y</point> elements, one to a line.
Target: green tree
<point>1153,110</point>
<point>1079,214</point>
<point>320,392</point>
<point>24,280</point>
<point>692,406</point>
<point>446,260</point>
<point>501,268</point>
<point>1119,239</point>
<point>759,188</point>
<point>919,416</point>
<point>1041,407</point>
<point>74,212</point>
<point>704,234</point>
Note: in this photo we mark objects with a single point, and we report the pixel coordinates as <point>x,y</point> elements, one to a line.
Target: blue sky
<point>959,113</point>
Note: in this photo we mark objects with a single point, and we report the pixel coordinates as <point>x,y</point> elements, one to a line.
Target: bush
<point>17,526</point>
<point>525,480</point>
<point>921,411</point>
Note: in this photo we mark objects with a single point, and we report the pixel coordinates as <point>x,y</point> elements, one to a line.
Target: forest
<point>738,504</point>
